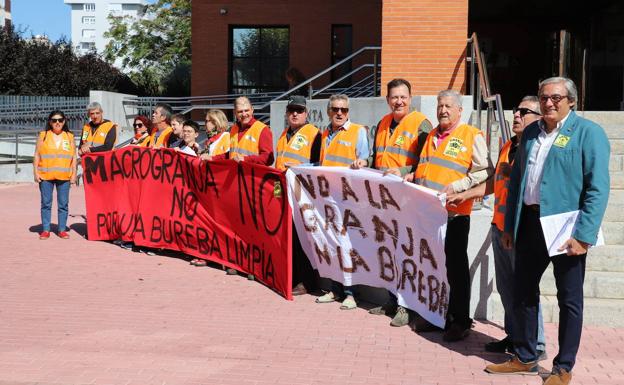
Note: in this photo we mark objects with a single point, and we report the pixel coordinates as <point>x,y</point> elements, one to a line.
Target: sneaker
<point>126,245</point>
<point>388,308</point>
<point>513,366</point>
<point>501,346</point>
<point>44,235</point>
<point>558,377</point>
<point>231,271</point>
<point>251,277</point>
<point>348,303</point>
<point>147,251</point>
<point>326,298</point>
<point>456,332</point>
<point>63,234</point>
<point>421,325</point>
<point>401,318</point>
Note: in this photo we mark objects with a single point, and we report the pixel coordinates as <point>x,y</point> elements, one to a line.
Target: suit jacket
<point>576,176</point>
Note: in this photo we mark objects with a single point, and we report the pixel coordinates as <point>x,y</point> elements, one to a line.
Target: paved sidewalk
<point>80,312</point>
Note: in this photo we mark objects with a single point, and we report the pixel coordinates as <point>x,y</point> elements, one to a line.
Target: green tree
<point>155,49</point>
<point>40,67</point>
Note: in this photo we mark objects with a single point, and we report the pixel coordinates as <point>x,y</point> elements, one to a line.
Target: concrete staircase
<point>604,277</point>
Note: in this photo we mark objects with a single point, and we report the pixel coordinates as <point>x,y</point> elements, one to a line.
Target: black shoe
<point>501,346</point>
<point>421,325</point>
<point>456,332</point>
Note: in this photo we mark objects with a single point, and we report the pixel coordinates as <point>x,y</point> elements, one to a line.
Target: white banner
<point>360,227</point>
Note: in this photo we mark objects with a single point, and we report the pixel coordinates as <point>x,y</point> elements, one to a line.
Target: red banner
<point>235,214</point>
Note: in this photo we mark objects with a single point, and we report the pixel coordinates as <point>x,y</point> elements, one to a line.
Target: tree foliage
<point>39,67</point>
<point>155,50</point>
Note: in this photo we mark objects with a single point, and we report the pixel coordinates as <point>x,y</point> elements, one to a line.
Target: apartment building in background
<point>90,20</point>
<point>5,12</point>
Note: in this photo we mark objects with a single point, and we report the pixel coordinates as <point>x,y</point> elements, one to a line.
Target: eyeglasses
<point>57,120</point>
<point>299,110</point>
<point>137,125</point>
<point>523,111</point>
<point>555,98</point>
<point>344,110</point>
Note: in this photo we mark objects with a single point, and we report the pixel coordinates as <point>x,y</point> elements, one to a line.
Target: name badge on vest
<point>85,135</point>
<point>102,134</point>
<point>561,141</point>
<point>400,140</point>
<point>453,147</point>
<point>344,143</point>
<point>298,142</point>
<point>250,138</point>
<point>65,145</point>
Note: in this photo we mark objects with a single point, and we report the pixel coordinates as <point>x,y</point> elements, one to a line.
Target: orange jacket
<point>341,151</point>
<point>248,145</point>
<point>97,137</point>
<point>400,148</point>
<point>298,149</point>
<point>56,163</point>
<point>163,138</point>
<point>500,187</point>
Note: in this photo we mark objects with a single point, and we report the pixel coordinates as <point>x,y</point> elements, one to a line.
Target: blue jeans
<point>504,262</point>
<point>62,197</point>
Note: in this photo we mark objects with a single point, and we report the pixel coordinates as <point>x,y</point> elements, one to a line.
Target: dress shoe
<point>513,366</point>
<point>499,346</point>
<point>299,290</point>
<point>456,332</point>
<point>558,377</point>
<point>421,325</point>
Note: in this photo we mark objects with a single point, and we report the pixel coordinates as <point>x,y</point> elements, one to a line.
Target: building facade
<point>90,20</point>
<point>5,12</point>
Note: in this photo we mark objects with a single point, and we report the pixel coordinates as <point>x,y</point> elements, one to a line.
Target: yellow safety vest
<point>298,149</point>
<point>400,148</point>
<point>341,151</point>
<point>55,163</point>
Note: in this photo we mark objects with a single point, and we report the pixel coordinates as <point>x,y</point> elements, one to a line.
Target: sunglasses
<point>555,98</point>
<point>299,110</point>
<point>344,110</point>
<point>523,111</point>
<point>55,120</point>
<point>137,125</point>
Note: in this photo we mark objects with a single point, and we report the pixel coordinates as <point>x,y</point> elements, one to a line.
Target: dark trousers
<point>457,270</point>
<point>302,269</point>
<point>531,261</point>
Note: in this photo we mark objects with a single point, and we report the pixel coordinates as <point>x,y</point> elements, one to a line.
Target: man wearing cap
<point>398,139</point>
<point>300,143</point>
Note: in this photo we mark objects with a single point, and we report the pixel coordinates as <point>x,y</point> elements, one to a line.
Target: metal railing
<point>368,85</point>
<point>480,89</point>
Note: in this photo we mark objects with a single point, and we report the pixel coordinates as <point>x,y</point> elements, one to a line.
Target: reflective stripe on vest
<point>341,150</point>
<point>298,149</point>
<point>447,163</point>
<point>501,183</point>
<point>398,149</point>
<point>97,137</point>
<point>55,163</point>
<point>248,144</point>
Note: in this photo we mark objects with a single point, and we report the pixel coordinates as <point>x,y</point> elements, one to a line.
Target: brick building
<point>5,12</point>
<point>246,45</point>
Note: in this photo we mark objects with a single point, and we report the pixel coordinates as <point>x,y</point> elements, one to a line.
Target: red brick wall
<point>424,41</point>
<point>310,29</point>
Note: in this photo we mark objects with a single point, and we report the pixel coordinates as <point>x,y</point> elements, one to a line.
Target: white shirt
<point>537,158</point>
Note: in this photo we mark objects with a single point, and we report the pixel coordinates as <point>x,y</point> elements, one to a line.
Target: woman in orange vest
<point>143,132</point>
<point>54,164</point>
<point>218,138</point>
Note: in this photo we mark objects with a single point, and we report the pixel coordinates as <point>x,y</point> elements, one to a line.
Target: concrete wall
<point>114,109</point>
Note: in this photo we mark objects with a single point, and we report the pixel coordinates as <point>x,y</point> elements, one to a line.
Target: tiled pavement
<point>81,312</point>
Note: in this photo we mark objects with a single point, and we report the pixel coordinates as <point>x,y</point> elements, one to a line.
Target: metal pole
<point>375,88</point>
<point>17,170</point>
<point>310,90</point>
<point>478,94</point>
<point>475,97</point>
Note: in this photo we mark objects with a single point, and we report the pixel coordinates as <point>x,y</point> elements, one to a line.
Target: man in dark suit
<point>562,165</point>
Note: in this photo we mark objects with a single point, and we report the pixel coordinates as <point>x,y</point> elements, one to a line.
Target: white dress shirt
<point>537,157</point>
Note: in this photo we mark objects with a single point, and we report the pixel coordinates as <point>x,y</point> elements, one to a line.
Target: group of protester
<point>556,162</point>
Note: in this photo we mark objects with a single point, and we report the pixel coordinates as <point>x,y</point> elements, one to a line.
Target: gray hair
<point>532,99</point>
<point>451,94</point>
<point>568,83</point>
<point>336,97</point>
<point>243,101</point>
<point>94,106</point>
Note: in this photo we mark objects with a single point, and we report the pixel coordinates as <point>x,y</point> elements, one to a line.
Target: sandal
<point>348,304</point>
<point>326,298</point>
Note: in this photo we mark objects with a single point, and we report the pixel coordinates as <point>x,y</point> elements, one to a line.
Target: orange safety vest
<point>147,141</point>
<point>55,163</point>
<point>97,137</point>
<point>450,161</point>
<point>163,138</point>
<point>248,145</point>
<point>501,183</point>
<point>341,151</point>
<point>221,145</point>
<point>398,149</point>
<point>298,149</point>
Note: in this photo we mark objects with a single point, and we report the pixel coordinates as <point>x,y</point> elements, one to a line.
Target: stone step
<point>613,233</point>
<point>614,212</point>
<point>617,180</point>
<point>616,163</point>
<point>614,131</point>
<point>597,311</point>
<point>616,196</point>
<point>617,146</point>
<point>604,118</point>
<point>606,258</point>
<point>598,284</point>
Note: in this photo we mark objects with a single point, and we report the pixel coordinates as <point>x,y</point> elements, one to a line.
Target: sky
<point>42,17</point>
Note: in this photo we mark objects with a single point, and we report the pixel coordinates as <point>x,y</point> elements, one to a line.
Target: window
<point>341,47</point>
<point>115,9</point>
<point>89,7</point>
<point>88,33</point>
<point>88,20</point>
<point>88,46</point>
<point>258,59</point>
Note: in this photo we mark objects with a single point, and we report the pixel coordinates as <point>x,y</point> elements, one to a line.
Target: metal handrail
<point>483,94</point>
